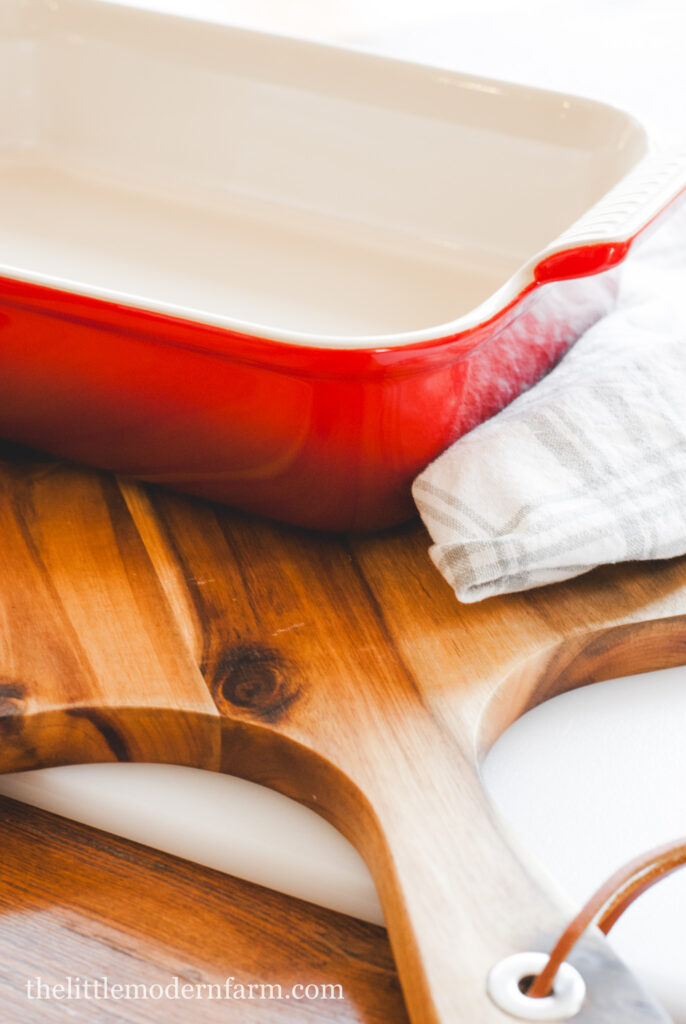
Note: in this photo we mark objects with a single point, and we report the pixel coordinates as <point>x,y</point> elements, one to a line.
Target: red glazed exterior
<point>323,438</point>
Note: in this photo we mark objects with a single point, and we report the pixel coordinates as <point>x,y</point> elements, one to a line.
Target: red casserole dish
<point>282,275</point>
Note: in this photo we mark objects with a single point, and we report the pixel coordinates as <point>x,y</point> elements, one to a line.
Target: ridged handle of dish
<point>602,237</point>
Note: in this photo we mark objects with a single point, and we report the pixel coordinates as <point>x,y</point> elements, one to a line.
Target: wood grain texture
<point>74,901</point>
<point>339,671</point>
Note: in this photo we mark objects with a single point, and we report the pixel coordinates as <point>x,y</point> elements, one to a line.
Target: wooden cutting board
<point>76,902</point>
<point>138,625</point>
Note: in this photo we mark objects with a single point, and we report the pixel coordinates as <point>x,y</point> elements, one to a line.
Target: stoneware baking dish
<point>284,275</point>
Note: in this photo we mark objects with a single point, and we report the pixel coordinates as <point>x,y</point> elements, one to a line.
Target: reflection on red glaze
<point>323,438</point>
<point>582,261</point>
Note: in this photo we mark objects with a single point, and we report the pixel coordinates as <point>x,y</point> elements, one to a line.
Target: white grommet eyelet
<point>565,1001</point>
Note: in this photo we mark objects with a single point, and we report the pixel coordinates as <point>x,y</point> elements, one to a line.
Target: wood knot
<point>256,679</point>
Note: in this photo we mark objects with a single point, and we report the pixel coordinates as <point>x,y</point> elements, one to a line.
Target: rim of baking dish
<point>507,296</point>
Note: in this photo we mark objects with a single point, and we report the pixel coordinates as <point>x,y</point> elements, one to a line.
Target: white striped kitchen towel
<point>589,466</point>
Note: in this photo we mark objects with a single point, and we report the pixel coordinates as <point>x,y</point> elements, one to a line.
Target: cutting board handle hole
<point>511,978</point>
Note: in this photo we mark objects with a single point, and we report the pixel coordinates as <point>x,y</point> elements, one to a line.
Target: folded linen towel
<point>589,466</point>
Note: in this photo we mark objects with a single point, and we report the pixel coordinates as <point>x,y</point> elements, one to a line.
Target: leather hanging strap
<point>609,903</point>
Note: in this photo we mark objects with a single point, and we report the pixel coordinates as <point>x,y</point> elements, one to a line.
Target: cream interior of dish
<point>275,184</point>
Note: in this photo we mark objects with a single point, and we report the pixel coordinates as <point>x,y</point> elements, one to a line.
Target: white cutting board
<point>582,814</point>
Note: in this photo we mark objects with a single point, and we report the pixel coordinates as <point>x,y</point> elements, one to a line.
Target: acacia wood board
<point>139,625</point>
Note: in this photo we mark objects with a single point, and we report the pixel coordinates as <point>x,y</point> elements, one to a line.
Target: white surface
<point>593,778</point>
<point>590,778</point>
<point>222,822</point>
<point>277,187</point>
